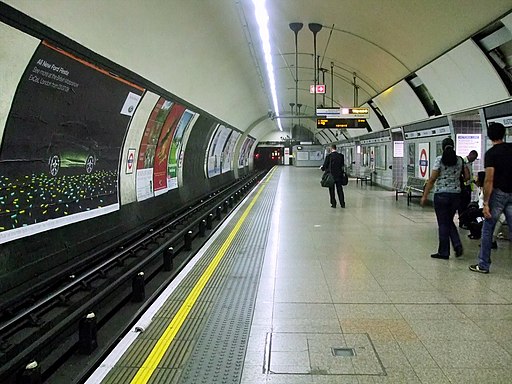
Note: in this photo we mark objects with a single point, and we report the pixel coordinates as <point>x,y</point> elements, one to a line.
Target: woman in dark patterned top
<point>445,175</point>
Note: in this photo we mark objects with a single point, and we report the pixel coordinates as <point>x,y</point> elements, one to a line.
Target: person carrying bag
<point>334,166</point>
<point>327,180</point>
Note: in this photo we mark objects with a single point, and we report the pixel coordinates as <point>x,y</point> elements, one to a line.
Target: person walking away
<point>446,177</point>
<point>335,163</point>
<point>497,192</point>
<point>467,186</point>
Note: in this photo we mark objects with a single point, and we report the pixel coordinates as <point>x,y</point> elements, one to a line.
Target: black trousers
<point>339,189</point>
<point>465,199</point>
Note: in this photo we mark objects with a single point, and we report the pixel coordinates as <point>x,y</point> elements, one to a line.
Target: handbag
<point>344,178</point>
<point>327,180</point>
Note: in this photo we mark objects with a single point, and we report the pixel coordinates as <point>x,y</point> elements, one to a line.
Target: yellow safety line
<point>151,363</point>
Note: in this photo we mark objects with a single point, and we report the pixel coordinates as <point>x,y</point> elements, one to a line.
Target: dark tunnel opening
<point>267,157</point>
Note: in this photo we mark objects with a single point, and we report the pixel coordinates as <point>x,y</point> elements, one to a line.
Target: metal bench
<point>414,188</point>
<point>364,176</point>
<point>399,189</point>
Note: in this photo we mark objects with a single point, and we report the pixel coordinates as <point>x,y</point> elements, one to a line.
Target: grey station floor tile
<point>366,270</point>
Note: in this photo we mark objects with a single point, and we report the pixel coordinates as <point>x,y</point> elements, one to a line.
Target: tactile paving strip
<point>210,346</point>
<point>219,354</point>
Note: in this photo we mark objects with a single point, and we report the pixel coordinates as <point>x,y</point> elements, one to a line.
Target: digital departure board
<point>341,123</point>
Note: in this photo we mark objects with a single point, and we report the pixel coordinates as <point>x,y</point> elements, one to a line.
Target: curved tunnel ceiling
<point>378,42</point>
<point>208,52</point>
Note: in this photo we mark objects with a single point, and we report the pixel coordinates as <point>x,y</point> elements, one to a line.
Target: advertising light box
<point>398,149</point>
<point>468,142</point>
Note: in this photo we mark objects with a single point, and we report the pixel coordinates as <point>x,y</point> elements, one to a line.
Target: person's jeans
<point>500,202</point>
<point>445,206</point>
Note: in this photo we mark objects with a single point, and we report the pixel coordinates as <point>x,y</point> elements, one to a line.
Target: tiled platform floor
<point>362,278</point>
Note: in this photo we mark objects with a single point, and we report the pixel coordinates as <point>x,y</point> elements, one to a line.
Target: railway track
<point>58,330</point>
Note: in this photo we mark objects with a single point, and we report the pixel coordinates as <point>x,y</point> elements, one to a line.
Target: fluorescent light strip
<point>262,18</point>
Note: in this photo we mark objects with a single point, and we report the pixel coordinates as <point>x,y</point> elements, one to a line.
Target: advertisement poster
<point>398,148</point>
<point>163,149</point>
<point>316,155</point>
<point>61,145</point>
<point>423,160</point>
<point>411,159</point>
<point>245,151</point>
<point>147,149</point>
<point>227,164</point>
<point>177,140</point>
<point>215,151</point>
<point>466,143</point>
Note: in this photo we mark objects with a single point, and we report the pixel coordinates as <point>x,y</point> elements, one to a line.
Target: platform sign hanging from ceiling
<point>320,88</point>
<point>341,123</point>
<point>355,113</point>
<point>344,113</point>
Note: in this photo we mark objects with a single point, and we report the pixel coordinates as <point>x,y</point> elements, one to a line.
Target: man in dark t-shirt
<point>497,192</point>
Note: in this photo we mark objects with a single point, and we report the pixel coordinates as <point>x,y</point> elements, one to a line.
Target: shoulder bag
<point>327,180</point>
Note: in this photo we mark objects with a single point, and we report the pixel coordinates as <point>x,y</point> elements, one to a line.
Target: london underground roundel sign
<point>423,163</point>
<point>130,161</point>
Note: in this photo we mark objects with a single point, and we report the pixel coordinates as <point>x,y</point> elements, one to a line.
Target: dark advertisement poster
<point>60,151</point>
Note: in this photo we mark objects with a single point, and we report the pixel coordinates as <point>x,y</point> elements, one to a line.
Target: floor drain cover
<point>343,352</point>
<point>322,354</point>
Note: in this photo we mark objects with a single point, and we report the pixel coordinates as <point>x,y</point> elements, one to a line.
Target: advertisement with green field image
<point>176,145</point>
<point>61,145</point>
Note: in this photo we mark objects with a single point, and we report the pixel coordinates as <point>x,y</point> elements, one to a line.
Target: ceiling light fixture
<point>262,18</point>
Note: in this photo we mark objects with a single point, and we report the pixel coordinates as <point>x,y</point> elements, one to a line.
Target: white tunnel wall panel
<point>274,136</point>
<point>16,49</point>
<point>400,105</point>
<point>462,78</point>
<point>133,140</point>
<point>507,21</point>
<point>222,83</point>
<point>351,133</point>
<point>330,134</point>
<point>265,128</point>
<point>374,121</point>
<point>321,139</point>
<point>324,136</point>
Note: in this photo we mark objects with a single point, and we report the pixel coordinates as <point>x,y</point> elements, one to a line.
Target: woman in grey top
<point>446,174</point>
